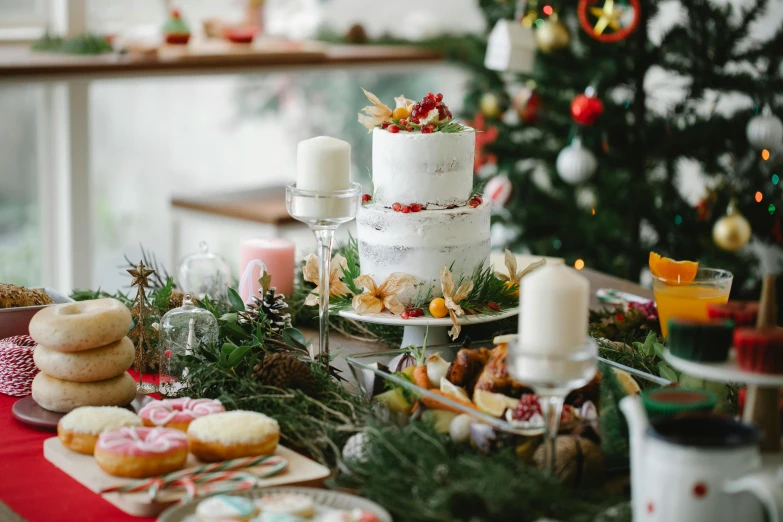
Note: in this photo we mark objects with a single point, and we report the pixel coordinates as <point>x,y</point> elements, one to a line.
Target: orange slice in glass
<point>675,272</point>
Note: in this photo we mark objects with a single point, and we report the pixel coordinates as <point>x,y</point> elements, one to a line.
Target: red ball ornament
<point>585,109</point>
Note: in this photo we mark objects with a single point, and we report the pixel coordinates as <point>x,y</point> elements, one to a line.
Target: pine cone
<point>286,372</point>
<point>274,307</point>
<point>175,301</point>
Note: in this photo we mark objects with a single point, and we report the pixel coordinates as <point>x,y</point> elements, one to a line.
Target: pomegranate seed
<point>474,203</point>
<point>405,209</point>
<point>414,113</point>
<point>430,96</point>
<point>403,122</point>
<point>415,120</point>
<point>427,129</point>
<point>405,314</point>
<point>415,207</point>
<point>409,128</point>
<point>439,97</point>
<point>493,306</point>
<point>479,198</point>
<point>396,207</point>
<point>384,125</point>
<point>419,312</point>
<point>366,198</point>
<point>441,113</point>
<point>394,129</point>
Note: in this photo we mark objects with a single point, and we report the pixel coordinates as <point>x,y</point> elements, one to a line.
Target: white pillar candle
<point>323,164</point>
<point>554,309</point>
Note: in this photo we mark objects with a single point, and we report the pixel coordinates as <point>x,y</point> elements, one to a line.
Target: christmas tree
<point>600,70</point>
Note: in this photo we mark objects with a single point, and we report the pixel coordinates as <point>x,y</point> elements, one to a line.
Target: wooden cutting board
<point>83,469</point>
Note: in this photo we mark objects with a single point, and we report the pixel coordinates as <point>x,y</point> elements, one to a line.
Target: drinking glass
<point>689,300</point>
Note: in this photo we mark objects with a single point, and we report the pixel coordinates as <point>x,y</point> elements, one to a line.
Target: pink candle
<point>277,255</point>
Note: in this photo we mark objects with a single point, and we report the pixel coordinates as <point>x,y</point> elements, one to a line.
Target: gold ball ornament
<point>489,105</point>
<point>552,36</point>
<point>731,232</point>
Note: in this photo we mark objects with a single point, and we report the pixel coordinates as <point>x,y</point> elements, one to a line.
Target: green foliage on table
<point>86,43</point>
<point>420,475</point>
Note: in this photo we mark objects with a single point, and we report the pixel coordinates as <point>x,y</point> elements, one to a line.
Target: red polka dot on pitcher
<point>650,507</point>
<point>700,490</point>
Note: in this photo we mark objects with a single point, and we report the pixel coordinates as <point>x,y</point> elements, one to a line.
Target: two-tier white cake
<point>421,217</point>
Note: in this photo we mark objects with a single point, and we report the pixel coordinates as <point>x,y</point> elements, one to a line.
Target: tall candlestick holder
<point>553,375</point>
<point>323,212</point>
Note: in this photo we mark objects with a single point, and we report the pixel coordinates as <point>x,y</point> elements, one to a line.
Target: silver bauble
<point>765,130</point>
<point>576,164</point>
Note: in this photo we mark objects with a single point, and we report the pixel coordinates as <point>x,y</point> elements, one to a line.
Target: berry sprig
<point>366,198</point>
<point>475,201</point>
<point>406,209</point>
<point>411,313</point>
<point>411,122</point>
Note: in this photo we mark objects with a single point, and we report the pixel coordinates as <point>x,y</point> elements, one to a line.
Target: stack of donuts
<point>83,354</point>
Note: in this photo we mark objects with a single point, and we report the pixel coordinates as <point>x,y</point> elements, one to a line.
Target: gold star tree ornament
<point>142,333</point>
<point>610,22</point>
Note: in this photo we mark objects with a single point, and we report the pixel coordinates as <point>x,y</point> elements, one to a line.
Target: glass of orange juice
<point>689,300</point>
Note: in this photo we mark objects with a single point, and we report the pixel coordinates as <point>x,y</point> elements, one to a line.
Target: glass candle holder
<point>323,212</point>
<point>181,331</point>
<point>553,375</point>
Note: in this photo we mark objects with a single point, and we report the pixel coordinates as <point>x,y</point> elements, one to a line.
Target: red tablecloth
<point>34,488</point>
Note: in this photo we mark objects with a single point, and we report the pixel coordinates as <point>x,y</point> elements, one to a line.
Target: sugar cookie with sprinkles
<point>222,508</point>
<point>232,435</point>
<point>287,504</point>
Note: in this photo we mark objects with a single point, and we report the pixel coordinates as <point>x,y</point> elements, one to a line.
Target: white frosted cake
<point>421,216</point>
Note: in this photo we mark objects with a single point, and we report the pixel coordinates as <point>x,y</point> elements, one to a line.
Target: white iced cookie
<point>87,366</point>
<point>287,504</point>
<point>225,507</point>
<point>357,515</point>
<point>79,430</point>
<point>63,396</point>
<point>73,327</point>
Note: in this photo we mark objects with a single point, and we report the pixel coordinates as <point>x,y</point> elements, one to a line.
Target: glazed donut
<point>79,430</point>
<point>87,366</point>
<point>63,396</point>
<point>232,435</point>
<point>222,508</point>
<point>73,327</point>
<point>141,452</point>
<point>178,413</point>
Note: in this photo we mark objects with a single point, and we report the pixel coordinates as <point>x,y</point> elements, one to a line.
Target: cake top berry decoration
<point>426,116</point>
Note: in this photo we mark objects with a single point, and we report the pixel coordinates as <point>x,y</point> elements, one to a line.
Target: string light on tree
<point>579,264</point>
<point>765,131</point>
<point>576,164</point>
<point>731,232</point>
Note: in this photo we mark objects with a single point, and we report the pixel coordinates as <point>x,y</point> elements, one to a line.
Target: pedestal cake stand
<point>762,399</point>
<point>435,329</point>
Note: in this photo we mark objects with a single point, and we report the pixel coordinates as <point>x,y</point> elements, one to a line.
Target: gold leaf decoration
<point>336,286</point>
<point>511,264</point>
<point>384,297</point>
<point>376,114</point>
<point>452,298</point>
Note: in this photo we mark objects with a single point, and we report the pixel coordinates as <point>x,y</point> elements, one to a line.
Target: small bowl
<point>177,38</point>
<point>240,35</point>
<point>15,321</point>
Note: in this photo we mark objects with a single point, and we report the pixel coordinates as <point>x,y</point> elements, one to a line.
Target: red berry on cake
<point>403,122</point>
<point>417,312</point>
<point>396,207</point>
<point>474,202</point>
<point>405,314</point>
<point>427,129</point>
<point>393,129</point>
<point>384,125</point>
<point>405,209</point>
<point>439,97</point>
<point>366,198</point>
<point>415,207</point>
<point>479,198</point>
<point>493,306</point>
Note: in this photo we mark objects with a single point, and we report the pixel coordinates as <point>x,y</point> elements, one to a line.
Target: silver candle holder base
<point>553,376</point>
<point>323,212</point>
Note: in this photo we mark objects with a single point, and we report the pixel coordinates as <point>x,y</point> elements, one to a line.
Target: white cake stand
<point>761,401</point>
<point>436,330</point>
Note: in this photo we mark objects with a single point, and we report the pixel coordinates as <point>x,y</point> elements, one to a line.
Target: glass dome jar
<point>205,274</point>
<point>181,330</point>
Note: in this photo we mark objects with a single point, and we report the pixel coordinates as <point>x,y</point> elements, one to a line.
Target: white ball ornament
<point>765,130</point>
<point>575,163</point>
<point>498,190</point>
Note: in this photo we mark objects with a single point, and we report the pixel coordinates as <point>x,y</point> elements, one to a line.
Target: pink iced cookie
<point>141,452</point>
<point>178,413</point>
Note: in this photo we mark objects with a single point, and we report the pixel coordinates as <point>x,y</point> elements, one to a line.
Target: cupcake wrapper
<point>707,342</point>
<point>662,403</point>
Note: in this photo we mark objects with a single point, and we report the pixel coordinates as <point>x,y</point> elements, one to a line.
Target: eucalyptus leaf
<point>667,372</point>
<point>294,337</point>
<point>658,347</point>
<point>228,348</point>
<point>236,300</point>
<point>238,354</point>
<point>230,317</point>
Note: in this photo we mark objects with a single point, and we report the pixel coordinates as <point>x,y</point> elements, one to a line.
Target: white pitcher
<point>698,469</point>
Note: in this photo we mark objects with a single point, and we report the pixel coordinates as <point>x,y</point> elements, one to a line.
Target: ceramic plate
<point>326,501</point>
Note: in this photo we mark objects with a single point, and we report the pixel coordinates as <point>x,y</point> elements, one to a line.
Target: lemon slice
<point>628,383</point>
<point>493,403</point>
<point>452,390</point>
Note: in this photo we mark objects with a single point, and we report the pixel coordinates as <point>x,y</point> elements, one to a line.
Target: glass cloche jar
<point>205,274</point>
<point>181,330</point>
